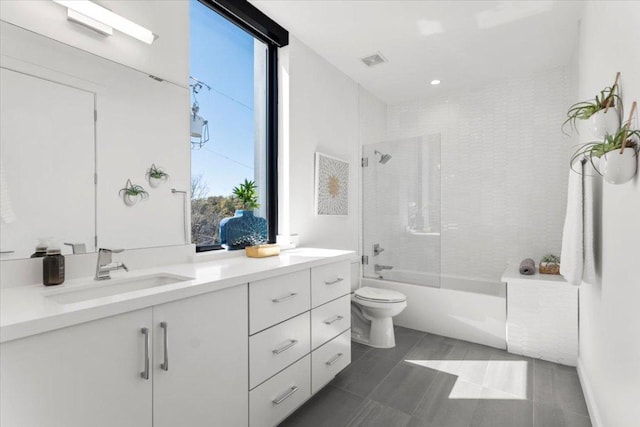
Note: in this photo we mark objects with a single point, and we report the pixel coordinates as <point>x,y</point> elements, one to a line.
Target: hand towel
<point>528,267</point>
<point>572,254</point>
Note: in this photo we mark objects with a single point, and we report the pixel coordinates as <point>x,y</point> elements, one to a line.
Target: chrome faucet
<point>105,266</point>
<point>378,268</point>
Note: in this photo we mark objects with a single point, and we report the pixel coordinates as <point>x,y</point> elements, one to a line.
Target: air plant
<point>247,193</point>
<point>157,173</point>
<point>597,149</point>
<point>132,192</point>
<point>551,259</point>
<point>583,110</point>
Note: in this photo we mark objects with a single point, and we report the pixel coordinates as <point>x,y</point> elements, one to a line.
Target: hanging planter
<point>600,113</point>
<point>616,157</point>
<point>156,176</point>
<point>619,167</point>
<point>131,193</point>
<point>604,122</point>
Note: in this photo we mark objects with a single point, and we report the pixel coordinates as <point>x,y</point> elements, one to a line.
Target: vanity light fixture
<point>435,82</point>
<point>105,21</point>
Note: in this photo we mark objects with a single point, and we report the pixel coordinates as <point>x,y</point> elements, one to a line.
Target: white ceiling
<point>462,43</point>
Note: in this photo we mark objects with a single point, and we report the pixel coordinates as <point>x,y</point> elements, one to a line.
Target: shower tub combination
<point>401,246</point>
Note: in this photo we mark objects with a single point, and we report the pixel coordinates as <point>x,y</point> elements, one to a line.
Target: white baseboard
<point>589,397</point>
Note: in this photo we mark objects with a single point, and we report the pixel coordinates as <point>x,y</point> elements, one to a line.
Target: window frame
<point>260,26</point>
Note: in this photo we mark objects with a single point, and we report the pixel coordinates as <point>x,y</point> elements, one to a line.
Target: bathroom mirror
<point>75,128</point>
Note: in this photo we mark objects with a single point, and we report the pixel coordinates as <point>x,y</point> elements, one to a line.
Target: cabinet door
<point>84,375</point>
<point>206,380</point>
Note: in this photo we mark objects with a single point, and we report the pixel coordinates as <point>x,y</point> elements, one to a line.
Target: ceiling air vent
<point>374,59</point>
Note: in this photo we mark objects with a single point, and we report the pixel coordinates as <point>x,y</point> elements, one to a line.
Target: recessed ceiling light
<point>435,82</point>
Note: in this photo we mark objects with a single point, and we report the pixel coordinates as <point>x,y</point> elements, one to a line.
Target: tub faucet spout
<point>379,268</point>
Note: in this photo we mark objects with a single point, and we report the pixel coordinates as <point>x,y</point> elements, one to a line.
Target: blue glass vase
<point>242,230</point>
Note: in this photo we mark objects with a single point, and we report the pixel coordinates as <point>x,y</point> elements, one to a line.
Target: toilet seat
<point>377,295</point>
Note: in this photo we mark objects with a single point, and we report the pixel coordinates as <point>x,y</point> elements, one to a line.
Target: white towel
<point>6,209</point>
<point>572,255</point>
<point>592,203</point>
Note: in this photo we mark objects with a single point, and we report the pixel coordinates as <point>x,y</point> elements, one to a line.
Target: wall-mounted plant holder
<point>604,122</point>
<point>156,176</point>
<point>131,193</point>
<point>620,166</point>
<point>602,115</point>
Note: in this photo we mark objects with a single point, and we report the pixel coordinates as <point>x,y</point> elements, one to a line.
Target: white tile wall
<point>504,167</point>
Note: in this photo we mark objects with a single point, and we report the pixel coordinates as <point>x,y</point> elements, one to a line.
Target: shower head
<point>384,158</point>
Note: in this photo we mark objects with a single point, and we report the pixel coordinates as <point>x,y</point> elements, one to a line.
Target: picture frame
<point>331,186</point>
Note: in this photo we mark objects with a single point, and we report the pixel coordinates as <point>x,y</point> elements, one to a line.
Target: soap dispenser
<point>41,248</point>
<point>53,266</point>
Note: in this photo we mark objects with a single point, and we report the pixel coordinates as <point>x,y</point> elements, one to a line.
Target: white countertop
<point>26,310</point>
<point>512,273</point>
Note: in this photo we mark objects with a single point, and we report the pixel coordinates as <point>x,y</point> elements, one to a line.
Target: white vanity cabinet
<point>96,373</point>
<point>202,340</point>
<point>84,375</point>
<point>299,338</point>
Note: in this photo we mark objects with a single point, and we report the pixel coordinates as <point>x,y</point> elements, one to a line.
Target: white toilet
<point>372,310</point>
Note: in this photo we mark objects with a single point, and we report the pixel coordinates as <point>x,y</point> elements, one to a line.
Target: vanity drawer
<point>281,395</point>
<point>274,349</point>
<point>328,360</point>
<point>273,300</point>
<point>330,320</point>
<point>329,282</point>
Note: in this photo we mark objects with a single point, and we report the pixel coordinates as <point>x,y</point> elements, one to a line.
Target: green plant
<point>247,194</point>
<point>133,190</point>
<point>585,109</point>
<point>156,172</point>
<point>551,259</point>
<point>611,142</point>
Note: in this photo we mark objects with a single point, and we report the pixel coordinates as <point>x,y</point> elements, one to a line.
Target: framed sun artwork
<point>332,186</point>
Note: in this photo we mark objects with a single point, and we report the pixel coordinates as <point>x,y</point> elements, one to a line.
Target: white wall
<point>323,116</point>
<point>167,57</point>
<point>609,357</point>
<point>503,168</point>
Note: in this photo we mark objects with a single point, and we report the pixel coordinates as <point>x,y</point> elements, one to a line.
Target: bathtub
<point>459,307</point>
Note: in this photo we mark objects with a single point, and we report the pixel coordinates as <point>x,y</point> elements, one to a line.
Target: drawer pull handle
<point>334,359</point>
<point>291,295</point>
<point>338,280</point>
<point>165,365</point>
<point>145,374</point>
<point>333,320</point>
<point>285,396</point>
<point>285,347</point>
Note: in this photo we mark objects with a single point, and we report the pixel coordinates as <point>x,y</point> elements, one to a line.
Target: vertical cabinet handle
<point>285,396</point>
<point>165,365</point>
<point>145,374</point>
<point>333,282</point>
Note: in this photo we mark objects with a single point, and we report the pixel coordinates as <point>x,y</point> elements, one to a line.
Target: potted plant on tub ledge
<point>601,113</point>
<point>550,264</point>
<point>244,229</point>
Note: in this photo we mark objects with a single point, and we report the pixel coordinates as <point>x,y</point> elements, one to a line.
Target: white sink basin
<point>106,288</point>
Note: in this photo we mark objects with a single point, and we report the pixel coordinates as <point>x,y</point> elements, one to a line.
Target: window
<point>233,113</point>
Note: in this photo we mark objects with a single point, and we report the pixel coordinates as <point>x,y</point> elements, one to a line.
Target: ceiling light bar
<point>435,82</point>
<point>104,16</point>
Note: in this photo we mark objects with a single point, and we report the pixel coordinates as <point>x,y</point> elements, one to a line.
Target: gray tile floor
<point>433,381</point>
